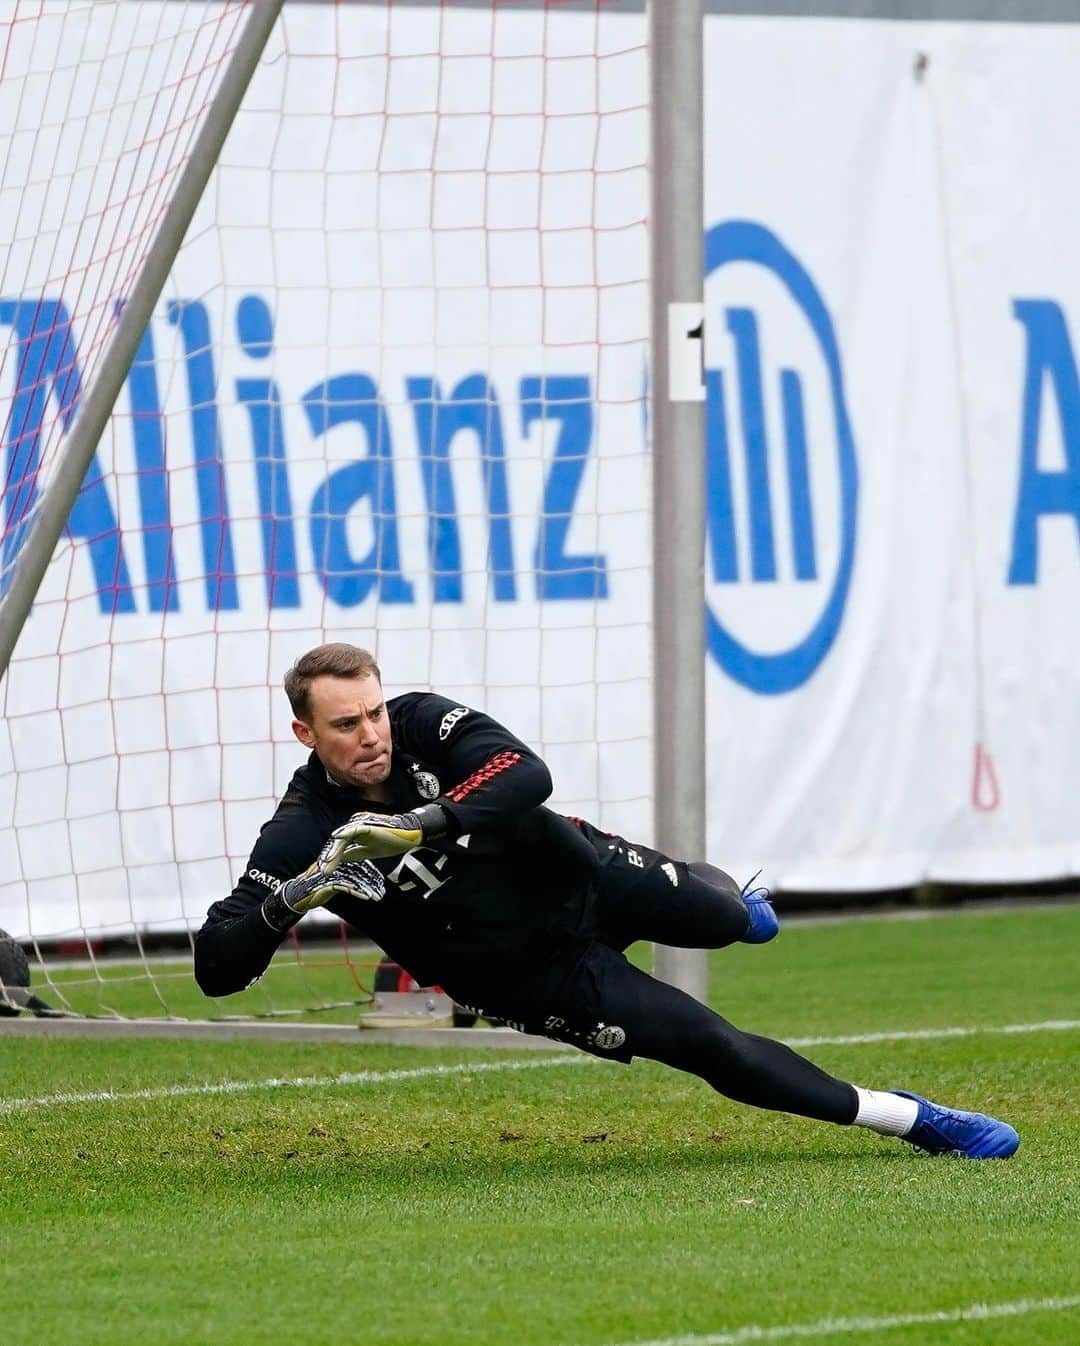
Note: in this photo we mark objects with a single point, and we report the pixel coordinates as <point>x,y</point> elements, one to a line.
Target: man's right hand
<point>314,888</point>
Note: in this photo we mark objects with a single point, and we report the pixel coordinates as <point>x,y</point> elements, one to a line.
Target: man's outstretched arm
<point>242,933</point>
<point>233,948</point>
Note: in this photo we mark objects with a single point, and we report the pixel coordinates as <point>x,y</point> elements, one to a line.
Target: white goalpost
<point>329,323</point>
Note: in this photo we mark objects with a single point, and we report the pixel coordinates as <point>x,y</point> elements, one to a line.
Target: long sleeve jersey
<point>510,880</point>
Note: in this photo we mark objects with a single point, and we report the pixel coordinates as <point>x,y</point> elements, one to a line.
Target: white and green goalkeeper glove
<point>375,836</point>
<point>316,886</point>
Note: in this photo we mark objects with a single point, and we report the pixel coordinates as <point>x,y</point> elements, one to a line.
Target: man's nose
<point>368,735</point>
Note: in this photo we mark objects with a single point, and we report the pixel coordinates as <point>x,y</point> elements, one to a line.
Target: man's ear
<point>303,733</point>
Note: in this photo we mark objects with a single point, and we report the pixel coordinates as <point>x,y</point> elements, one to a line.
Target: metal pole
<point>676,38</point>
<point>96,406</point>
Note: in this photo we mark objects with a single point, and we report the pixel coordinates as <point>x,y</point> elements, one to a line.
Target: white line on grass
<point>919,1034</point>
<point>829,1327</point>
<point>9,1105</point>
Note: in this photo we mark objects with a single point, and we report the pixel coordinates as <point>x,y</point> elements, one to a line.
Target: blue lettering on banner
<point>347,579</point>
<point>742,324</point>
<point>1050,360</point>
<point>567,400</point>
<point>148,431</point>
<point>773,673</point>
<point>219,568</point>
<point>47,363</point>
<point>48,375</point>
<point>471,406</point>
<point>261,397</point>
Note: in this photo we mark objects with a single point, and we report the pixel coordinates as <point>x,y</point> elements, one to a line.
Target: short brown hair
<point>336,660</point>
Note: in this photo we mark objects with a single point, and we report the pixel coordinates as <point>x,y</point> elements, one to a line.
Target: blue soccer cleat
<point>971,1135</point>
<point>764,924</point>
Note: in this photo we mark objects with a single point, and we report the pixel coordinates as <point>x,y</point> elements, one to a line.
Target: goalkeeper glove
<point>375,836</point>
<point>316,886</point>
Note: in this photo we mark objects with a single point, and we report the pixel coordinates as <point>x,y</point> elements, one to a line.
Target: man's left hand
<point>374,836</point>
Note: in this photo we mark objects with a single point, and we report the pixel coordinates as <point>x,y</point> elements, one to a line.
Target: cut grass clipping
<point>559,1201</point>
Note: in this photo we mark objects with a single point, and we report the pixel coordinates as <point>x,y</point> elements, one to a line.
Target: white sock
<point>887,1114</point>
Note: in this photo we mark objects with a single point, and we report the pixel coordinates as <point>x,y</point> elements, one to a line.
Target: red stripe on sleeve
<point>500,762</point>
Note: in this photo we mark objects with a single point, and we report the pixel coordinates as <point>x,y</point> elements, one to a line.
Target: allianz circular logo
<point>783,478</point>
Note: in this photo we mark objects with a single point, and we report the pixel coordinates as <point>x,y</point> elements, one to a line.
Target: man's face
<point>350,730</point>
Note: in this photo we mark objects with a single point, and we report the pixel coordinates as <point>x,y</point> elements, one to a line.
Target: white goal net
<point>399,361</point>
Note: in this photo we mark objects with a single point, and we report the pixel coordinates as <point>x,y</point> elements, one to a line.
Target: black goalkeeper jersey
<point>507,886</point>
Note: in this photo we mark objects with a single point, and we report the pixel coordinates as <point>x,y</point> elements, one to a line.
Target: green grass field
<point>566,1203</point>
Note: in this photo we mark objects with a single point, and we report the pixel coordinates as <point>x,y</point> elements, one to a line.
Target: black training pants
<point>611,1008</point>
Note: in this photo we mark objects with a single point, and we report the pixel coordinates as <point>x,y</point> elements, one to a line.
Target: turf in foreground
<point>577,1204</point>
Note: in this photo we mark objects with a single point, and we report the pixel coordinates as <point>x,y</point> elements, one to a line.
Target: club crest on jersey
<point>608,1037</point>
<point>426,782</point>
<point>449,720</point>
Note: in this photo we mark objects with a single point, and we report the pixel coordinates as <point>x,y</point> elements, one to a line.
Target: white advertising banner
<point>396,392</point>
<point>892,292</point>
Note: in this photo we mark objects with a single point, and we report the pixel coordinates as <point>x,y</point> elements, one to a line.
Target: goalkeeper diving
<point>421,823</point>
